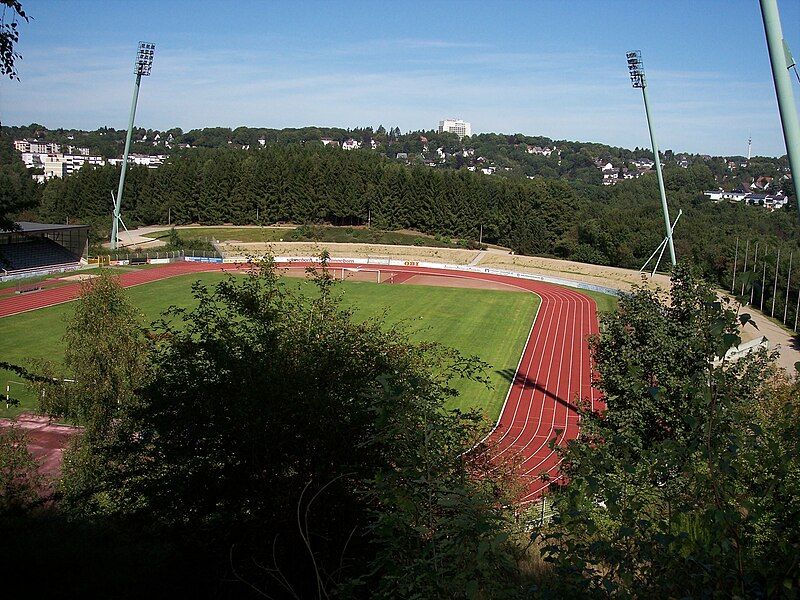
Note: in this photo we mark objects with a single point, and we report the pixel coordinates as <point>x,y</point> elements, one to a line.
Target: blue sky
<point>539,67</point>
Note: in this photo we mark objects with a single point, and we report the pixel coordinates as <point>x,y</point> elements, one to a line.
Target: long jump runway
<point>553,375</point>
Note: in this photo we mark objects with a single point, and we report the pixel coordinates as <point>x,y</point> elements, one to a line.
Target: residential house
<point>351,144</point>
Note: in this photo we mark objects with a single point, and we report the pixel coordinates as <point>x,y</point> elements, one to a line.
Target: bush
<point>19,476</point>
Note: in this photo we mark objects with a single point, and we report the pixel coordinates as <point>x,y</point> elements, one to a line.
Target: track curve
<point>554,370</point>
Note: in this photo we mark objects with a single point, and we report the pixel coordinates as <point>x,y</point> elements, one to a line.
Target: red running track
<point>554,371</point>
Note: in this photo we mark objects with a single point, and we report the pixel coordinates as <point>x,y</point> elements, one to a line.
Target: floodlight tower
<point>781,61</point>
<point>636,68</point>
<point>144,62</point>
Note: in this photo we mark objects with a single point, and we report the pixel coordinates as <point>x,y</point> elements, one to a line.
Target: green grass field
<point>490,324</point>
<point>306,234</point>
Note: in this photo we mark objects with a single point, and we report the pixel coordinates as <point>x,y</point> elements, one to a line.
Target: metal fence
<point>157,255</point>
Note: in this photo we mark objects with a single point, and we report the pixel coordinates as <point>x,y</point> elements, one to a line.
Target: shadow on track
<point>519,378</point>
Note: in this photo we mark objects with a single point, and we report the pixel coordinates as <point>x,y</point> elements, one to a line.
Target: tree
<point>18,192</point>
<point>105,360</point>
<point>681,488</point>
<point>9,36</point>
<point>19,477</point>
<point>273,429</point>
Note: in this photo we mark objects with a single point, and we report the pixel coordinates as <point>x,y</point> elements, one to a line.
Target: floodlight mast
<point>144,62</point>
<point>780,61</point>
<point>636,69</point>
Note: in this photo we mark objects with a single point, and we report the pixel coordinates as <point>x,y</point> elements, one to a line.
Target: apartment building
<point>459,127</point>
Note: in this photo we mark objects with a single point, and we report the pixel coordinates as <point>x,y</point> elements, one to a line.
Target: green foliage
<point>105,359</point>
<point>175,241</point>
<point>9,37</point>
<point>680,488</point>
<point>19,476</point>
<point>18,192</point>
<point>274,424</point>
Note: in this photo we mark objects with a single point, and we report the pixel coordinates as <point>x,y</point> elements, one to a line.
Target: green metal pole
<point>783,89</point>
<point>118,201</point>
<point>657,160</point>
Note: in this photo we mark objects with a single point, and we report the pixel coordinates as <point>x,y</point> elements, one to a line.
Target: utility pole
<point>752,287</point>
<point>636,69</point>
<point>144,62</point>
<point>775,287</point>
<point>788,283</point>
<point>763,283</point>
<point>744,271</point>
<point>780,60</point>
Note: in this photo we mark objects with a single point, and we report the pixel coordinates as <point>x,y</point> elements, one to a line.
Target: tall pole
<point>755,264</point>
<point>118,200</point>
<point>763,283</point>
<point>783,89</point>
<point>657,160</point>
<point>797,309</point>
<point>746,250</point>
<point>735,258</point>
<point>788,283</point>
<point>775,287</point>
<point>144,62</point>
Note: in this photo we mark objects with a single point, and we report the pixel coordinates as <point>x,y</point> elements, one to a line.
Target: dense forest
<point>511,155</point>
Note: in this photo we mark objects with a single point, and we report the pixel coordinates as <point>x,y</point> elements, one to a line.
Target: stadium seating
<point>34,253</point>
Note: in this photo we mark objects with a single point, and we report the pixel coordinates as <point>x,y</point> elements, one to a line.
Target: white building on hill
<point>457,126</point>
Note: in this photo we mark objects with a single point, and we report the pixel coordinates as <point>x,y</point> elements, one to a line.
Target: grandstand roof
<point>29,227</point>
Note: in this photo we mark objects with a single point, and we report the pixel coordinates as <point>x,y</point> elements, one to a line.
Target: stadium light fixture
<point>638,80</point>
<point>142,67</point>
<point>144,59</point>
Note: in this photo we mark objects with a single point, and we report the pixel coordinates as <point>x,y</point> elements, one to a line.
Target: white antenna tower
<point>749,145</point>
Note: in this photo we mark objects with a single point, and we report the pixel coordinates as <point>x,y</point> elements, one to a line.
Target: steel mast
<point>636,69</point>
<point>144,62</point>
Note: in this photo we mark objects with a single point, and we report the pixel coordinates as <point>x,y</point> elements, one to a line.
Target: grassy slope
<point>322,234</point>
<point>490,324</point>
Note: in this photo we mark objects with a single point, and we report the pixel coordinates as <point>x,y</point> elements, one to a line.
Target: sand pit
<point>78,277</point>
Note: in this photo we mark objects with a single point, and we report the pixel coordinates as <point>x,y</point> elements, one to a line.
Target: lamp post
<point>144,62</point>
<point>636,69</point>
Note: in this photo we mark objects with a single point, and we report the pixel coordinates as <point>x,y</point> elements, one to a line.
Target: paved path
<point>478,258</point>
<point>786,342</point>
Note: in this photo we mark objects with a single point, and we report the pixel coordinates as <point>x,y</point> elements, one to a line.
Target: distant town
<point>57,160</point>
<point>757,182</point>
